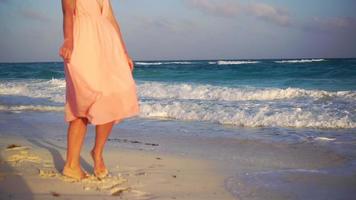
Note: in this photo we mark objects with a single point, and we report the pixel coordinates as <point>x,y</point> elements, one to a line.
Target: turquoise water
<point>330,75</point>
<point>300,93</point>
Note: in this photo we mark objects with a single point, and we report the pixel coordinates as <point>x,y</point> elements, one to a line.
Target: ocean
<point>274,129</point>
<point>298,93</point>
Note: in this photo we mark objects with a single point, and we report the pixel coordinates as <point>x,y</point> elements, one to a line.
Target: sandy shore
<point>31,171</point>
<point>153,159</point>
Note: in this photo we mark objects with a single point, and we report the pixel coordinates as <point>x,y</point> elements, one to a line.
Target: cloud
<point>4,1</point>
<point>331,24</point>
<point>164,24</point>
<point>230,9</point>
<point>34,15</point>
<point>269,13</point>
<point>222,8</point>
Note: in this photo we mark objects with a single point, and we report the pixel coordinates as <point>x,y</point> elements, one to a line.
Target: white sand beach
<point>153,159</point>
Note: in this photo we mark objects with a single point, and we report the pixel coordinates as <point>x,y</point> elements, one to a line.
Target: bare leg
<point>102,133</point>
<point>76,132</point>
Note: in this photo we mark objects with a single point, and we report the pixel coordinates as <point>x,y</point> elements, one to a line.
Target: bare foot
<point>99,167</point>
<point>75,173</point>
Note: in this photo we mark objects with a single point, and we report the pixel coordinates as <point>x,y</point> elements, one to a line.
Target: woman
<point>100,89</point>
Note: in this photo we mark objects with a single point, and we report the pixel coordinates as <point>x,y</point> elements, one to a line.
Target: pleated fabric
<point>99,82</point>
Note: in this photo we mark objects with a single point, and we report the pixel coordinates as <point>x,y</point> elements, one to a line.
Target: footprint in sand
<point>113,185</point>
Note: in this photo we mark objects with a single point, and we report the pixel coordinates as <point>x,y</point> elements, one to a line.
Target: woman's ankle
<point>96,154</point>
<point>72,165</point>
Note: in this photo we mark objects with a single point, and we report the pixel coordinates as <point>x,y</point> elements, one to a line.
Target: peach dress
<point>99,82</point>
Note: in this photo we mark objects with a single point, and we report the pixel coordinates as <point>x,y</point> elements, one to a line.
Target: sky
<point>31,30</point>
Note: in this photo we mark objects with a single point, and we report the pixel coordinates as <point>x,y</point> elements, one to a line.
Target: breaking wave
<point>300,61</point>
<point>222,62</point>
<point>163,63</point>
<point>247,107</point>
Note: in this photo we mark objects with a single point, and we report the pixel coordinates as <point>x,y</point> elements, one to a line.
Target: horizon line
<point>220,59</point>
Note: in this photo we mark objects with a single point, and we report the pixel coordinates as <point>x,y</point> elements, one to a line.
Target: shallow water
<point>303,93</point>
<point>257,163</point>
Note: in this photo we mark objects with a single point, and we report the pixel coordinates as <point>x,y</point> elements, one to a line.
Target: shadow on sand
<point>12,183</point>
<point>58,160</point>
<point>13,178</point>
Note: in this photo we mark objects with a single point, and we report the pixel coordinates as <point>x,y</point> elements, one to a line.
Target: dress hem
<point>93,122</point>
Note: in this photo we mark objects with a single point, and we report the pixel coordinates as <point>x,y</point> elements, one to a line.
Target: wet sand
<point>151,159</point>
<point>133,174</point>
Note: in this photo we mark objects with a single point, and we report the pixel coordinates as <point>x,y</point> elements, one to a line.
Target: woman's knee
<point>84,120</point>
<point>80,120</point>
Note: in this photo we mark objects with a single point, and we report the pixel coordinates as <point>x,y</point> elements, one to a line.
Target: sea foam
<point>300,61</point>
<point>219,93</point>
<point>164,63</point>
<point>244,107</point>
<point>223,62</point>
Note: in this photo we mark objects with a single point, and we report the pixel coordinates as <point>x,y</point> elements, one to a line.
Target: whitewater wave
<point>223,62</point>
<point>21,108</point>
<point>164,63</point>
<point>148,63</point>
<point>52,89</point>
<point>159,90</point>
<point>245,115</point>
<point>246,107</point>
<point>300,61</point>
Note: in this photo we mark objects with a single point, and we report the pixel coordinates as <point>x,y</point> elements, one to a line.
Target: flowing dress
<point>99,82</point>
